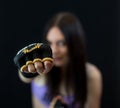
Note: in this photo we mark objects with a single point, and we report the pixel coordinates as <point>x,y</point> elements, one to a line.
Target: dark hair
<point>76,77</point>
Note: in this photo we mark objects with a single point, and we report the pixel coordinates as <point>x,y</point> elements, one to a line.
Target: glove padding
<point>58,102</point>
<point>32,53</point>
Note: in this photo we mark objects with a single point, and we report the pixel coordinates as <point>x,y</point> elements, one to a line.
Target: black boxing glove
<point>32,53</point>
<point>59,104</point>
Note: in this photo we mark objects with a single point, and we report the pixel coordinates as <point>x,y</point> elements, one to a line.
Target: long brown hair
<point>76,77</point>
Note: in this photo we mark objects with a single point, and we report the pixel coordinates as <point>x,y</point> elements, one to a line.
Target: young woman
<point>69,78</point>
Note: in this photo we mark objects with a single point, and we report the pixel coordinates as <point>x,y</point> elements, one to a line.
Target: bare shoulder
<point>94,82</point>
<point>93,72</point>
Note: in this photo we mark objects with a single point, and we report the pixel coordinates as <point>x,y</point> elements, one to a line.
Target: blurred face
<point>58,45</point>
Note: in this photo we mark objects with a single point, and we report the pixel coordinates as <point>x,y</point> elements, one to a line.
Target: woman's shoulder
<point>93,72</point>
<point>94,85</point>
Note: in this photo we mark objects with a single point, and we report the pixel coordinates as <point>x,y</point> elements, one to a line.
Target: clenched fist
<point>34,58</point>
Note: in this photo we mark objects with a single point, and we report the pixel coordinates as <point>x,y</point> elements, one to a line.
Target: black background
<point>22,23</point>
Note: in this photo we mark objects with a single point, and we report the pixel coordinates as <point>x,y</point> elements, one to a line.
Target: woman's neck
<point>63,81</point>
<point>64,69</point>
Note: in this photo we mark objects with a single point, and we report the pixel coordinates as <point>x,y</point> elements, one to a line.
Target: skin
<point>58,45</point>
<point>60,55</point>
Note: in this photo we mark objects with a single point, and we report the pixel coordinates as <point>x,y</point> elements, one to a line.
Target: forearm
<point>27,77</point>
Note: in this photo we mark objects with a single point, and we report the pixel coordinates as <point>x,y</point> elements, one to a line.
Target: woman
<point>69,78</point>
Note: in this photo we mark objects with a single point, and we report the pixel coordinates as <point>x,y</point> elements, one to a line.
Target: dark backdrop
<point>22,23</point>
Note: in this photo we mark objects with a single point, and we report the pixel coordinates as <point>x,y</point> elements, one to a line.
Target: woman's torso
<point>39,89</point>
